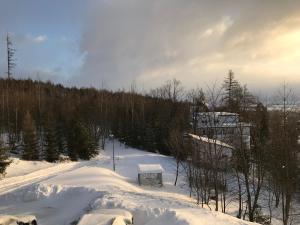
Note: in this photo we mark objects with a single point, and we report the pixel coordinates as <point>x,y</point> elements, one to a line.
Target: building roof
<point>236,125</point>
<point>210,141</point>
<point>219,113</point>
<point>289,107</point>
<point>150,168</point>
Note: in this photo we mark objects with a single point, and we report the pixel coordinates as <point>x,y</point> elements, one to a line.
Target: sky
<point>114,43</point>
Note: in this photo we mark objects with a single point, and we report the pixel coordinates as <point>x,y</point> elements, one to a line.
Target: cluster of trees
<point>146,121</point>
<point>37,122</point>
<point>260,177</point>
<point>42,120</point>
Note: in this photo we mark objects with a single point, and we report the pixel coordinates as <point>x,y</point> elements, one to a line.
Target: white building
<point>224,126</point>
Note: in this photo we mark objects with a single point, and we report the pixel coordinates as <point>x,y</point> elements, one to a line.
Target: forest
<point>44,121</point>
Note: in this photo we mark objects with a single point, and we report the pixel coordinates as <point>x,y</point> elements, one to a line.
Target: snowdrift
<point>66,193</point>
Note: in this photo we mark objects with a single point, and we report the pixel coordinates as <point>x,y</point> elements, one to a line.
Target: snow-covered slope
<point>20,167</point>
<point>63,193</point>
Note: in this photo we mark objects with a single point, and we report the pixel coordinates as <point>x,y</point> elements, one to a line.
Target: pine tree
<point>86,146</point>
<point>80,142</point>
<point>232,92</point>
<point>51,147</point>
<point>60,136</point>
<point>30,143</point>
<point>4,161</point>
<point>72,141</point>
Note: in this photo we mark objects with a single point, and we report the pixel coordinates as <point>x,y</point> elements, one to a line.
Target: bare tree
<point>284,150</point>
<point>209,167</point>
<point>180,148</point>
<point>10,56</point>
<point>171,90</point>
<point>196,98</point>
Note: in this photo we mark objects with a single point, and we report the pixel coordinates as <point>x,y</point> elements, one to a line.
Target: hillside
<point>62,193</point>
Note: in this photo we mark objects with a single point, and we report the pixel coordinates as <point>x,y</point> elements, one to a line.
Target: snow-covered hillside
<point>62,193</point>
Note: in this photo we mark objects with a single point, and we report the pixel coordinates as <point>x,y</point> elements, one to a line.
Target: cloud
<point>39,38</point>
<point>28,39</point>
<point>125,40</point>
<point>196,41</point>
<point>219,28</point>
<point>121,41</point>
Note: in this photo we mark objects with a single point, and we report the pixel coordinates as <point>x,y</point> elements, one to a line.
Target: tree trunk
<point>239,215</point>
<point>177,168</point>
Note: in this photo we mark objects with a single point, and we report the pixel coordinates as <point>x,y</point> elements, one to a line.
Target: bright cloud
<point>39,38</point>
<point>196,42</point>
<point>219,28</point>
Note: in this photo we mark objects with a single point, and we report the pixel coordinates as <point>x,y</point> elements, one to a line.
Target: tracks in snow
<point>13,183</point>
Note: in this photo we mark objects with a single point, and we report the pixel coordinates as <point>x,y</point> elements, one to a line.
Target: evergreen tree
<point>51,147</point>
<point>4,161</point>
<point>232,92</point>
<point>80,142</point>
<point>72,141</point>
<point>30,143</point>
<point>60,136</point>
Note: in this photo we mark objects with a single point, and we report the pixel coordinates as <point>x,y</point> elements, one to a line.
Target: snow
<point>192,216</point>
<point>150,168</point>
<point>106,217</point>
<point>210,141</point>
<point>11,220</point>
<point>218,114</point>
<point>20,167</point>
<point>65,193</point>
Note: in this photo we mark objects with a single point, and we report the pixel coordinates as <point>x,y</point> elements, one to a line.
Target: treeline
<point>42,120</point>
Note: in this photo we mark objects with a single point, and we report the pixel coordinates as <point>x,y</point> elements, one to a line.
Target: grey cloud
<point>28,39</point>
<point>121,41</point>
<point>151,41</point>
<point>126,38</point>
